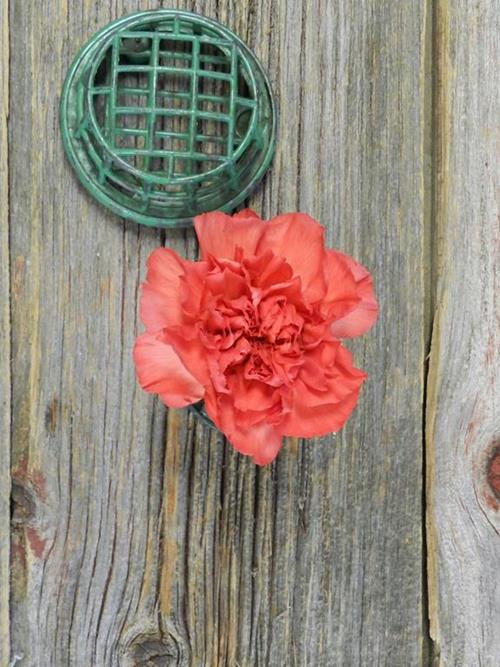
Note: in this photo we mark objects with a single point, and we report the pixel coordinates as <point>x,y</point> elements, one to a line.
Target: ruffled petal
<point>246,214</point>
<point>190,350</point>
<point>261,441</point>
<point>192,288</point>
<point>299,240</point>
<point>364,314</point>
<point>308,422</point>
<point>160,371</point>
<point>219,235</point>
<point>157,309</point>
<point>227,284</point>
<point>322,405</point>
<point>268,269</point>
<point>341,295</point>
<point>253,395</point>
<point>160,302</point>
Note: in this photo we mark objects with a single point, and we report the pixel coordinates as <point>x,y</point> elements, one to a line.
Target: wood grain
<point>141,537</point>
<point>4,337</point>
<point>463,426</point>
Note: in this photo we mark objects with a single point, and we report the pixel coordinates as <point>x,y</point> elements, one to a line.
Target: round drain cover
<point>167,114</point>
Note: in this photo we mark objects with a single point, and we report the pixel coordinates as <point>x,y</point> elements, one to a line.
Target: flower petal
<point>341,295</point>
<point>157,310</point>
<point>190,350</point>
<point>261,441</point>
<point>362,317</point>
<point>246,213</point>
<point>160,371</point>
<point>268,269</point>
<point>309,422</point>
<point>160,301</point>
<point>315,412</point>
<point>220,235</point>
<point>252,395</point>
<point>192,288</point>
<point>299,240</point>
<point>226,284</point>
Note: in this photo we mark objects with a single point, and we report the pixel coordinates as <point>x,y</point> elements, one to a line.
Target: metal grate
<point>166,114</point>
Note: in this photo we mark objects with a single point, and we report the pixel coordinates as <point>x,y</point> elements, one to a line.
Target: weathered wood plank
<point>139,533</point>
<point>464,384</point>
<point>88,450</point>
<point>4,337</point>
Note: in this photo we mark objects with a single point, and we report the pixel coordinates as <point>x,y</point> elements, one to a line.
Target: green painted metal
<point>167,114</point>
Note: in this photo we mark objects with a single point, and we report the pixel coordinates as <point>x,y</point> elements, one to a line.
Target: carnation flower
<point>254,329</point>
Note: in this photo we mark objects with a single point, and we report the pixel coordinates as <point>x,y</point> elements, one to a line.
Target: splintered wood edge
<point>441,138</point>
<point>4,338</point>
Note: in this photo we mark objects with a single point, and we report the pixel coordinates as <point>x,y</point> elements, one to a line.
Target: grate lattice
<point>166,114</point>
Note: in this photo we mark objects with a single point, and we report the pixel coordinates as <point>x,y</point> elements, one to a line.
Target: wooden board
<point>4,338</point>
<point>463,431</point>
<point>138,535</point>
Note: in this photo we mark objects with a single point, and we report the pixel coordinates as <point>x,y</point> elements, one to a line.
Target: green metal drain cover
<point>167,114</point>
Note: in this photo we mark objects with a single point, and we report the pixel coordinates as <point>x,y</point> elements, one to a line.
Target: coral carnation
<point>254,329</point>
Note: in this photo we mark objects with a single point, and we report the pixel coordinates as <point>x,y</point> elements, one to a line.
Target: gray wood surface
<point>463,425</point>
<point>139,537</point>
<point>4,338</point>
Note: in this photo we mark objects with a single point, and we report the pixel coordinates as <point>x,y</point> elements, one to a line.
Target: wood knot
<point>493,470</point>
<point>161,650</point>
<point>28,496</point>
<point>23,503</point>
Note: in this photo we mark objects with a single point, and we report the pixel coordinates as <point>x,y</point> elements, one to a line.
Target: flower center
<point>263,337</point>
